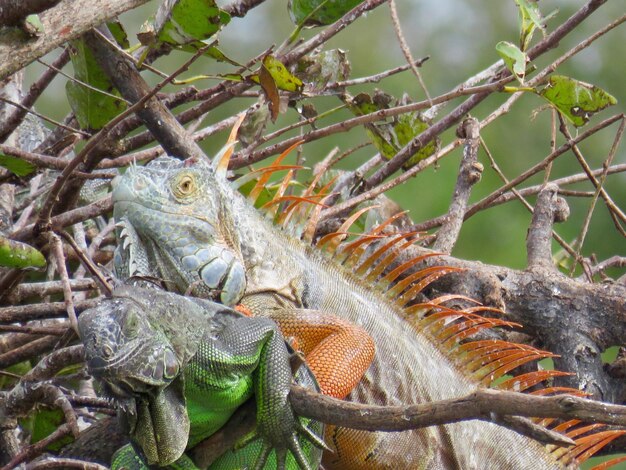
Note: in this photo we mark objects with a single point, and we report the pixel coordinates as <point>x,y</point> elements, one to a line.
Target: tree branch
<point>158,119</point>
<point>481,404</point>
<point>538,241</point>
<point>67,20</point>
<point>576,320</point>
<point>13,12</point>
<point>460,111</point>
<point>468,176</point>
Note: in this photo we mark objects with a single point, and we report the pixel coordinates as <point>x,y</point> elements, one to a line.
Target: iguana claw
<point>293,445</point>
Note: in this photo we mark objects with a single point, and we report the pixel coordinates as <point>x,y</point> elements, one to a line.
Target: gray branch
<point>469,175</point>
<point>577,320</point>
<point>539,239</point>
<point>13,12</point>
<point>65,21</point>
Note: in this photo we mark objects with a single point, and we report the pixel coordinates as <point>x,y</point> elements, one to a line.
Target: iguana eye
<point>184,186</point>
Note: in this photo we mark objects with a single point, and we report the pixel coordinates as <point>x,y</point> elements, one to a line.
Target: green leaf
<point>391,136</point>
<point>8,381</point>
<point>274,76</point>
<point>47,421</point>
<point>576,100</point>
<point>184,23</point>
<point>514,58</point>
<point>282,77</point>
<point>117,30</point>
<point>16,165</point>
<point>214,53</point>
<point>362,104</point>
<point>93,109</point>
<point>319,12</point>
<point>34,24</point>
<point>14,254</point>
<point>530,19</point>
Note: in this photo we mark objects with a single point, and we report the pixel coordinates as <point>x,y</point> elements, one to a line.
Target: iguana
<point>179,367</point>
<point>185,223</point>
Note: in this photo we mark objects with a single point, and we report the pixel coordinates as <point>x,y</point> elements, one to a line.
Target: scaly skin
<point>181,367</point>
<point>175,217</point>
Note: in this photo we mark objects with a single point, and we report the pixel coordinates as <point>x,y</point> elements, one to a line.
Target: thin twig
<point>43,117</point>
<point>22,313</point>
<point>88,263</point>
<point>498,196</point>
<point>541,165</point>
<point>28,453</point>
<point>57,251</point>
<point>612,262</point>
<point>248,157</point>
<point>36,89</point>
<point>460,111</point>
<point>80,82</point>
<point>34,330</point>
<point>376,77</point>
<point>601,181</point>
<point>70,217</point>
<point>405,47</point>
<point>615,211</point>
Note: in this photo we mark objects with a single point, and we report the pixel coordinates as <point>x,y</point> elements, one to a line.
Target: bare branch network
<point>572,305</point>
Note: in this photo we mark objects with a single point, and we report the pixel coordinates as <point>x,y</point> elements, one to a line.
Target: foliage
<point>93,109</point>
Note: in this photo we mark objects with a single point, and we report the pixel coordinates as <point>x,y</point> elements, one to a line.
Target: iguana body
<point>183,223</point>
<point>181,367</point>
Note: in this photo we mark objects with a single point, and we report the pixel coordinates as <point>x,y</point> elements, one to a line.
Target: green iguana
<point>179,367</point>
<point>184,223</point>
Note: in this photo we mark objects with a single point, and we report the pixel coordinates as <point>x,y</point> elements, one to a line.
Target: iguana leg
<point>337,351</point>
<point>252,347</point>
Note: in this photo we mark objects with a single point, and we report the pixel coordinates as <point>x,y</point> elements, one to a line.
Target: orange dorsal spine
<point>452,329</point>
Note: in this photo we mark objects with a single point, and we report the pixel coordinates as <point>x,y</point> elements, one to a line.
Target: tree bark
<point>65,21</point>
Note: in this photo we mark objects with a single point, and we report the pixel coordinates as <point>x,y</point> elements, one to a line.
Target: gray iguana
<point>184,223</point>
<point>180,367</point>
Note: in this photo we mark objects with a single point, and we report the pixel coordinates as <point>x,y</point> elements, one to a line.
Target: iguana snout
<point>133,357</point>
<point>123,349</point>
<point>166,209</point>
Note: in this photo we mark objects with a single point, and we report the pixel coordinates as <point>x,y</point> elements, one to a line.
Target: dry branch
<point>67,20</point>
<point>482,404</point>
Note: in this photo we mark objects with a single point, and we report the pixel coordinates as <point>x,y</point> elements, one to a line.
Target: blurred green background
<point>459,36</point>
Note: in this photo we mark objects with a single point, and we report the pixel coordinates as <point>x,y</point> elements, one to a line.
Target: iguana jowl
<point>183,222</point>
<point>179,367</point>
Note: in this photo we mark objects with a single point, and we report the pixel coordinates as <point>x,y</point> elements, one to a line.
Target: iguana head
<point>184,226</point>
<point>136,347</point>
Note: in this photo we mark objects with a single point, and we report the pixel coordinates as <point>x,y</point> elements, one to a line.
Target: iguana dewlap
<point>170,210</point>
